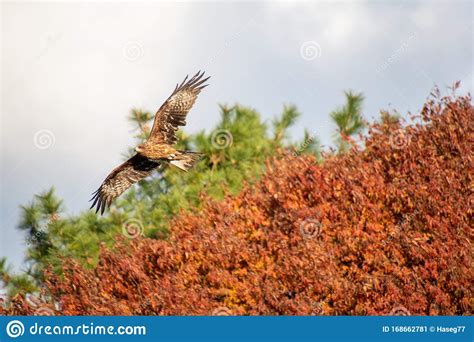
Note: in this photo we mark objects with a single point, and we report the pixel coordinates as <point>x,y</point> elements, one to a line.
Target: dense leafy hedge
<point>380,229</point>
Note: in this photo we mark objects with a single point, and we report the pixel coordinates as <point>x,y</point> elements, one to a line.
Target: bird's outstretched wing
<point>120,179</point>
<point>173,112</point>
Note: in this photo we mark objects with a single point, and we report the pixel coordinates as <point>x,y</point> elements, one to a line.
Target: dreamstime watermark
<point>311,228</point>
<point>310,50</point>
<point>132,228</point>
<point>51,41</point>
<point>37,235</point>
<point>44,139</point>
<point>399,311</point>
<point>316,309</point>
<point>406,223</point>
<point>222,311</point>
<point>132,51</point>
<point>229,218</point>
<point>15,329</point>
<point>399,139</point>
<point>303,147</point>
<point>397,53</point>
<point>40,308</point>
<point>149,301</point>
<point>42,230</point>
<point>389,239</point>
<point>44,311</point>
<point>221,139</point>
<point>234,38</point>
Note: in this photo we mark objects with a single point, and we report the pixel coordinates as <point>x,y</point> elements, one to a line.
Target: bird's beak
<point>138,149</point>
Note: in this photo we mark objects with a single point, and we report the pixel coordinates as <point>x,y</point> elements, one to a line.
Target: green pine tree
<point>348,119</point>
<point>235,151</point>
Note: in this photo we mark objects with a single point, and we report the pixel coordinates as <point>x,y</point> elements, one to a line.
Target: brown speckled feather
<point>169,117</point>
<point>173,112</point>
<point>120,179</point>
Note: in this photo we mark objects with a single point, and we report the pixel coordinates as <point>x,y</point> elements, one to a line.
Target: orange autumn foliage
<point>384,227</point>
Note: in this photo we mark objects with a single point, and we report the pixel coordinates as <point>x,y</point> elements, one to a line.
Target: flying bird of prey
<point>158,148</point>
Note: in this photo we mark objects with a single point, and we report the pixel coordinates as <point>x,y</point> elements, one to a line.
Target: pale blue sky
<point>70,73</point>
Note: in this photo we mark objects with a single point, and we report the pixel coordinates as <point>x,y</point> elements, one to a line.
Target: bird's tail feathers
<point>186,160</point>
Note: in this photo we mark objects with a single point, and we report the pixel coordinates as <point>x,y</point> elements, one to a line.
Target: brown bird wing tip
<point>97,202</point>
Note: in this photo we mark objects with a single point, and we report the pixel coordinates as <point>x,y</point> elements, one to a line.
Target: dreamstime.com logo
<point>44,139</point>
<point>221,139</point>
<point>132,51</point>
<point>132,228</point>
<point>16,329</point>
<point>311,228</point>
<point>310,50</point>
